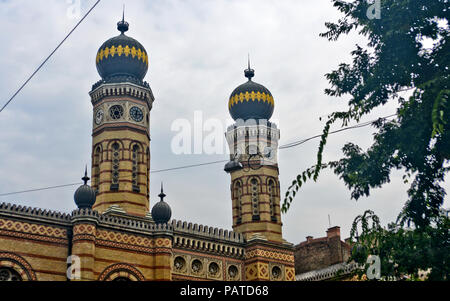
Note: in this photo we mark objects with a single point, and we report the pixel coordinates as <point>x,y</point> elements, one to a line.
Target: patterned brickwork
<point>257,271</point>
<point>121,270</point>
<point>270,254</point>
<point>19,264</point>
<point>35,229</point>
<point>133,240</point>
<point>290,274</point>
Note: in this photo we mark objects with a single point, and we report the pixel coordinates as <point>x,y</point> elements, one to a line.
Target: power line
<point>51,54</point>
<point>40,189</point>
<point>189,166</point>
<point>289,145</point>
<point>300,142</point>
<point>76,184</point>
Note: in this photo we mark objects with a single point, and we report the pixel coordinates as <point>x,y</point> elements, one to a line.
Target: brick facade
<point>319,253</point>
<point>36,244</point>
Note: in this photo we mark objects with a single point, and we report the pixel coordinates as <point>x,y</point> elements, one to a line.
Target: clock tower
<point>122,102</point>
<point>253,142</point>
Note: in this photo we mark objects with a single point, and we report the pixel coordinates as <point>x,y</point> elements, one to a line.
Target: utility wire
<point>51,54</point>
<point>290,145</point>
<point>40,189</point>
<point>189,166</point>
<point>300,142</point>
<point>76,184</point>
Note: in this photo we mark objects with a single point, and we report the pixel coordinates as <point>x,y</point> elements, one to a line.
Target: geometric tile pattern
<point>270,254</point>
<point>257,271</point>
<point>37,229</point>
<point>290,274</point>
<point>135,240</point>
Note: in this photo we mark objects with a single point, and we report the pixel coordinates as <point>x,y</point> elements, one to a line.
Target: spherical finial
<point>85,196</point>
<point>161,212</point>
<point>122,58</point>
<point>251,100</point>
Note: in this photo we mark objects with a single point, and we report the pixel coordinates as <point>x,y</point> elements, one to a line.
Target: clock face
<point>136,114</point>
<point>99,116</point>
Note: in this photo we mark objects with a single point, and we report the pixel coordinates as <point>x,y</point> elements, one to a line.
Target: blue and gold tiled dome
<point>251,100</point>
<point>122,56</point>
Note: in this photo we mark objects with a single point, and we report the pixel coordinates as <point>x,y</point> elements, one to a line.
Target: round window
<point>197,266</point>
<point>276,273</point>
<point>179,263</point>
<point>7,274</point>
<point>233,272</point>
<point>116,112</point>
<point>213,269</point>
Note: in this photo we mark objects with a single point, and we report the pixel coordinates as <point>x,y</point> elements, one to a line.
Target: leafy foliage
<point>404,253</point>
<point>395,59</point>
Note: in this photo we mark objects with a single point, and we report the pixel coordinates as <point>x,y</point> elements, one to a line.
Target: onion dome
<point>85,196</point>
<point>122,56</point>
<point>251,100</point>
<point>161,212</point>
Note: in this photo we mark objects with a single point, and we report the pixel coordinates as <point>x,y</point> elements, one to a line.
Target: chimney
<point>334,232</point>
<point>309,238</point>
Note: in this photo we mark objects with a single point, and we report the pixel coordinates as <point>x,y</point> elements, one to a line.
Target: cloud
<point>198,51</point>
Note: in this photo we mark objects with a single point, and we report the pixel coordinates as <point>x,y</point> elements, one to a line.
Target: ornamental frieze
<point>35,229</point>
<point>270,254</point>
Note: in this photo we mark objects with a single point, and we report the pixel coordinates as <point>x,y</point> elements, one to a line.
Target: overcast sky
<point>198,51</point>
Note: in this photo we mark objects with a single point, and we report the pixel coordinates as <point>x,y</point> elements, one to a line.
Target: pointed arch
<point>136,161</point>
<point>237,196</point>
<point>255,191</point>
<point>96,161</point>
<point>115,165</point>
<point>272,191</point>
<point>147,182</point>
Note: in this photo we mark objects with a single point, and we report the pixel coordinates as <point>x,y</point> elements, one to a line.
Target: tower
<point>253,142</point>
<point>122,102</point>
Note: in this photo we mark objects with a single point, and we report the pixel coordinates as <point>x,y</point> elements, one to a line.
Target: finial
<point>123,26</point>
<point>162,194</point>
<point>249,73</point>
<point>85,178</point>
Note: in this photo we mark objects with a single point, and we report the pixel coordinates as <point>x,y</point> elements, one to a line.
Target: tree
<point>395,59</point>
<point>404,253</point>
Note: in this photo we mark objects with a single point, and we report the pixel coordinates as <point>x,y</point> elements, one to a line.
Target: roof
<point>330,272</point>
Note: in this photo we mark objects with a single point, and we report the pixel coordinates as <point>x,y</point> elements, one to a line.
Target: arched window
<point>238,200</point>
<point>8,274</point>
<point>96,169</point>
<point>147,183</point>
<point>135,171</point>
<point>122,279</point>
<point>272,190</point>
<point>115,166</point>
<point>254,189</point>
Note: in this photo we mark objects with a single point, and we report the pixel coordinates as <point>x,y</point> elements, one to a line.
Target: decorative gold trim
<point>253,96</point>
<point>121,50</point>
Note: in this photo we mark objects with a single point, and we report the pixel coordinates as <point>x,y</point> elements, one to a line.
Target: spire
<point>85,178</point>
<point>122,26</point>
<point>162,195</point>
<point>85,196</point>
<point>249,73</point>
